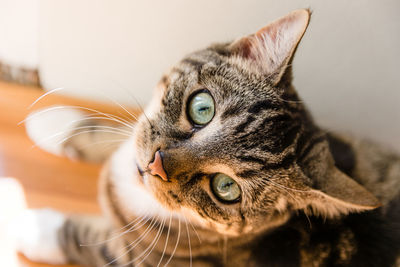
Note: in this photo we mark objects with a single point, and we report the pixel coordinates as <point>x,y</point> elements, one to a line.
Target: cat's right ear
<point>271,49</point>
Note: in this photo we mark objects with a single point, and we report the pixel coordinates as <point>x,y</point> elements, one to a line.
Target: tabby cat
<point>226,167</point>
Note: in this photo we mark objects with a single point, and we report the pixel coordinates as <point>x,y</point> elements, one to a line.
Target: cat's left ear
<point>336,193</point>
<point>271,49</point>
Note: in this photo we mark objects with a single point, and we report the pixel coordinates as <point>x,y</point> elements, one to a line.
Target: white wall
<point>346,68</point>
<point>19,32</point>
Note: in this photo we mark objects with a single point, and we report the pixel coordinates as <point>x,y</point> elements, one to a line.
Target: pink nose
<point>156,167</point>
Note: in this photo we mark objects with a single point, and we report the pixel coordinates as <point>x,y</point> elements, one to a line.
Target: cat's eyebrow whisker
<point>38,113</point>
<point>134,99</point>
<point>166,240</point>
<point>121,106</point>
<point>44,95</point>
<point>110,116</point>
<point>145,115</point>
<point>96,129</point>
<point>97,117</point>
<point>105,142</point>
<point>177,242</point>
<point>127,124</point>
<point>81,132</point>
<point>105,127</point>
<point>62,88</point>
<point>41,142</point>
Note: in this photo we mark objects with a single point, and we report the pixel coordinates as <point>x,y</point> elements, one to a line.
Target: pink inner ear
<point>246,49</point>
<point>269,30</point>
<point>272,46</point>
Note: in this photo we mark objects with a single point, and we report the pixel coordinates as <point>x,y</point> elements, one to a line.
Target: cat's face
<point>247,133</point>
<point>228,130</point>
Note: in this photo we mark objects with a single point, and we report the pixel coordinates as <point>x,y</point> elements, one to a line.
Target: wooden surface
<point>48,180</point>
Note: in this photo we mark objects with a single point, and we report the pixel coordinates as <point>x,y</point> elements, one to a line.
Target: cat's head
<point>229,143</point>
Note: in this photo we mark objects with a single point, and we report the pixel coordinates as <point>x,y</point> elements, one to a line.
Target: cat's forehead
<point>192,66</point>
<point>214,69</point>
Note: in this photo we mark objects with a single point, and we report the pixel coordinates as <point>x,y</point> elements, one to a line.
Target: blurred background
<point>346,67</point>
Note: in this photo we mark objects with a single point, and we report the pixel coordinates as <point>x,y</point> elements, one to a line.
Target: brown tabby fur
<point>308,198</point>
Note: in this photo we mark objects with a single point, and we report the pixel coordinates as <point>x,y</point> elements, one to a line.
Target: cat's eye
<point>201,108</point>
<point>225,188</point>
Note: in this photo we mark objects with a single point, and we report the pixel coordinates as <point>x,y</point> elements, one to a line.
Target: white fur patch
<point>130,190</point>
<point>12,203</point>
<point>36,233</point>
<point>50,127</point>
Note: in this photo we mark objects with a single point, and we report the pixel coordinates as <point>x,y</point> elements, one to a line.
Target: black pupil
<point>228,184</point>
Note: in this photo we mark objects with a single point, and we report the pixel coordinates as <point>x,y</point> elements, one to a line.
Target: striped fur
<point>308,198</point>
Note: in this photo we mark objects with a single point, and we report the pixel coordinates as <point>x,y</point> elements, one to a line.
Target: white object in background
<point>12,203</point>
<point>50,127</point>
<point>37,235</point>
<point>19,33</point>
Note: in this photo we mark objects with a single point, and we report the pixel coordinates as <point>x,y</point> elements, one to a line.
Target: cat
<point>226,167</point>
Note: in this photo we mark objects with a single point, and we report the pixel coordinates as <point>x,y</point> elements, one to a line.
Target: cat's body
<point>295,195</point>
<point>366,239</point>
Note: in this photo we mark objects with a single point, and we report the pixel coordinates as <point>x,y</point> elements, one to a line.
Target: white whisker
<point>96,117</point>
<point>177,242</point>
<point>105,143</point>
<point>166,240</point>
<point>134,99</point>
<point>131,124</point>
<point>136,242</point>
<point>150,247</point>
<point>126,110</point>
<point>188,235</point>
<point>44,95</point>
<point>117,130</point>
<point>113,117</point>
<point>91,131</point>
<point>195,231</point>
<point>118,233</point>
<point>42,142</point>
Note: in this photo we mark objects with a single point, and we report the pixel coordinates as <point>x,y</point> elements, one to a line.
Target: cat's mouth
<point>141,173</point>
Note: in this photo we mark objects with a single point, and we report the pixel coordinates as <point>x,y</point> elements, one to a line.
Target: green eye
<point>225,188</point>
<point>201,108</point>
